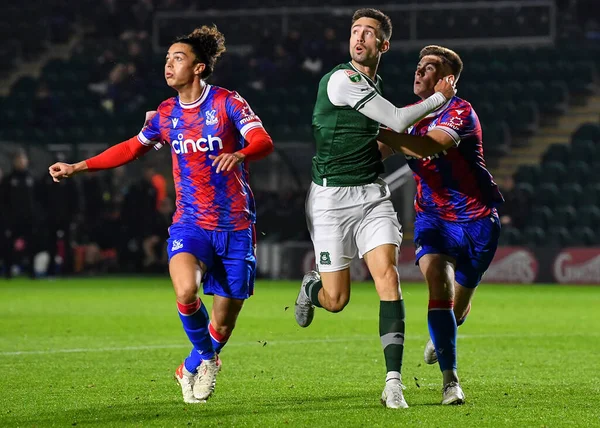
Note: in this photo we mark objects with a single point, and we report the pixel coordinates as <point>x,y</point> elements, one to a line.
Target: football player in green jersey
<point>348,206</point>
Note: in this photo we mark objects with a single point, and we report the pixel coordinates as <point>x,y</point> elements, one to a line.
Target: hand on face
<point>446,87</point>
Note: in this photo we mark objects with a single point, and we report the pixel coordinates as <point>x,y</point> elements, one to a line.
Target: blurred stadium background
<point>79,76</point>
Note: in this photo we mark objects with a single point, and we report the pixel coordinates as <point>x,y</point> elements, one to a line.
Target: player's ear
<point>384,46</point>
<point>199,68</point>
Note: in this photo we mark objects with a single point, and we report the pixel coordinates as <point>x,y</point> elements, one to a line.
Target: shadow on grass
<point>215,411</point>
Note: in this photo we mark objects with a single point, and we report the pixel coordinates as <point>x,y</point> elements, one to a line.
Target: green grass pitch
<point>102,352</point>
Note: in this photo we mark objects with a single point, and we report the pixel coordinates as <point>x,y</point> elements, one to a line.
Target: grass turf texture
<point>102,352</point>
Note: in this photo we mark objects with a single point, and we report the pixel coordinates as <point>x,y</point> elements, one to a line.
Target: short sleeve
<point>241,114</point>
<point>457,122</point>
<point>150,135</point>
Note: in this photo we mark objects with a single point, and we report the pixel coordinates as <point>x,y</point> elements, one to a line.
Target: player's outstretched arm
<point>113,157</point>
<point>352,90</point>
<point>434,142</point>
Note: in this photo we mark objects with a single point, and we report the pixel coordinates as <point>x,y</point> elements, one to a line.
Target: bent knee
<point>338,303</point>
<point>186,291</point>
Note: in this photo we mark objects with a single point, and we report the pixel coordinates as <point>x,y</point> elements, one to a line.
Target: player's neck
<point>370,71</point>
<point>425,96</point>
<point>190,93</point>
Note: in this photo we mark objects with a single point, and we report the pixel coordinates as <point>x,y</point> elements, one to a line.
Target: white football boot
<point>304,310</point>
<point>392,396</point>
<point>207,378</point>
<point>452,394</point>
<point>429,354</point>
<point>186,381</point>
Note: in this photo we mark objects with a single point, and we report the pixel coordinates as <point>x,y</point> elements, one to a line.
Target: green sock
<point>391,332</point>
<point>312,291</point>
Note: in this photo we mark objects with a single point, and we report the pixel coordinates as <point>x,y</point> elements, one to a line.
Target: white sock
<point>393,376</point>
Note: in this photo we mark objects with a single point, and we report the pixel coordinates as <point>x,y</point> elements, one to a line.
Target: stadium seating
<point>527,82</point>
<point>508,106</point>
<point>563,192</point>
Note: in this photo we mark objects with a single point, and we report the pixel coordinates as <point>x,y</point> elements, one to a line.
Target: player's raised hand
<point>446,87</point>
<point>61,170</point>
<point>226,161</point>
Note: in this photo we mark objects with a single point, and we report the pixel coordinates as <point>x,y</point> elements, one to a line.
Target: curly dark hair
<point>207,43</point>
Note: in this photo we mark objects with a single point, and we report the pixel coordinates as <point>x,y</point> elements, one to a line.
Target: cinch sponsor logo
<point>200,145</point>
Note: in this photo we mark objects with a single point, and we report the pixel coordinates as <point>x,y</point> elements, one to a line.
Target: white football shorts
<point>346,221</point>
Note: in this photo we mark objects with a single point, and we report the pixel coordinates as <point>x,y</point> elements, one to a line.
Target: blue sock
<point>194,318</point>
<point>193,361</point>
<point>442,329</point>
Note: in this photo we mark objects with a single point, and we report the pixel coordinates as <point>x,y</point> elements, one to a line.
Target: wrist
<point>440,97</point>
<point>79,167</point>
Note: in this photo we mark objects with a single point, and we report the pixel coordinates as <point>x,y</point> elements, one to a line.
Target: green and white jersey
<point>346,119</point>
<point>347,153</point>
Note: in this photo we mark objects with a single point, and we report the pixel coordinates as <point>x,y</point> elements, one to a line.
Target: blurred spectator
<point>46,108</point>
<point>97,195</point>
<point>105,242</point>
<point>293,45</point>
<point>117,184</point>
<point>515,209</point>
<point>283,66</point>
<point>332,52</point>
<point>155,239</point>
<point>104,64</point>
<point>138,216</point>
<point>160,184</point>
<point>62,205</point>
<point>121,94</point>
<point>20,215</point>
<point>139,59</point>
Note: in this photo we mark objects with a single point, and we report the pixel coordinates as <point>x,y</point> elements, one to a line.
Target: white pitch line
<point>288,342</point>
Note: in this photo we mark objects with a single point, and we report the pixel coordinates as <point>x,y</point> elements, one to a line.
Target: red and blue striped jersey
<point>455,184</point>
<point>215,123</point>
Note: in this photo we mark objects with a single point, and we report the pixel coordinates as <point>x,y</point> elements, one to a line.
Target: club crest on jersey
<point>211,117</point>
<point>325,258</point>
<point>353,75</point>
<point>174,120</point>
<point>177,244</point>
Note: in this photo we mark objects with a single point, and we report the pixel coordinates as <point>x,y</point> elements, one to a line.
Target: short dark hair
<point>447,55</point>
<point>385,23</point>
<point>207,43</point>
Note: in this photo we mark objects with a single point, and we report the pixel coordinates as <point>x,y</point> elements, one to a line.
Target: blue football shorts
<point>472,244</point>
<point>228,255</point>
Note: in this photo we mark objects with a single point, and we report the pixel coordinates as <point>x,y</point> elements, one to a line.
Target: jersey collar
<point>199,101</point>
<point>363,74</point>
